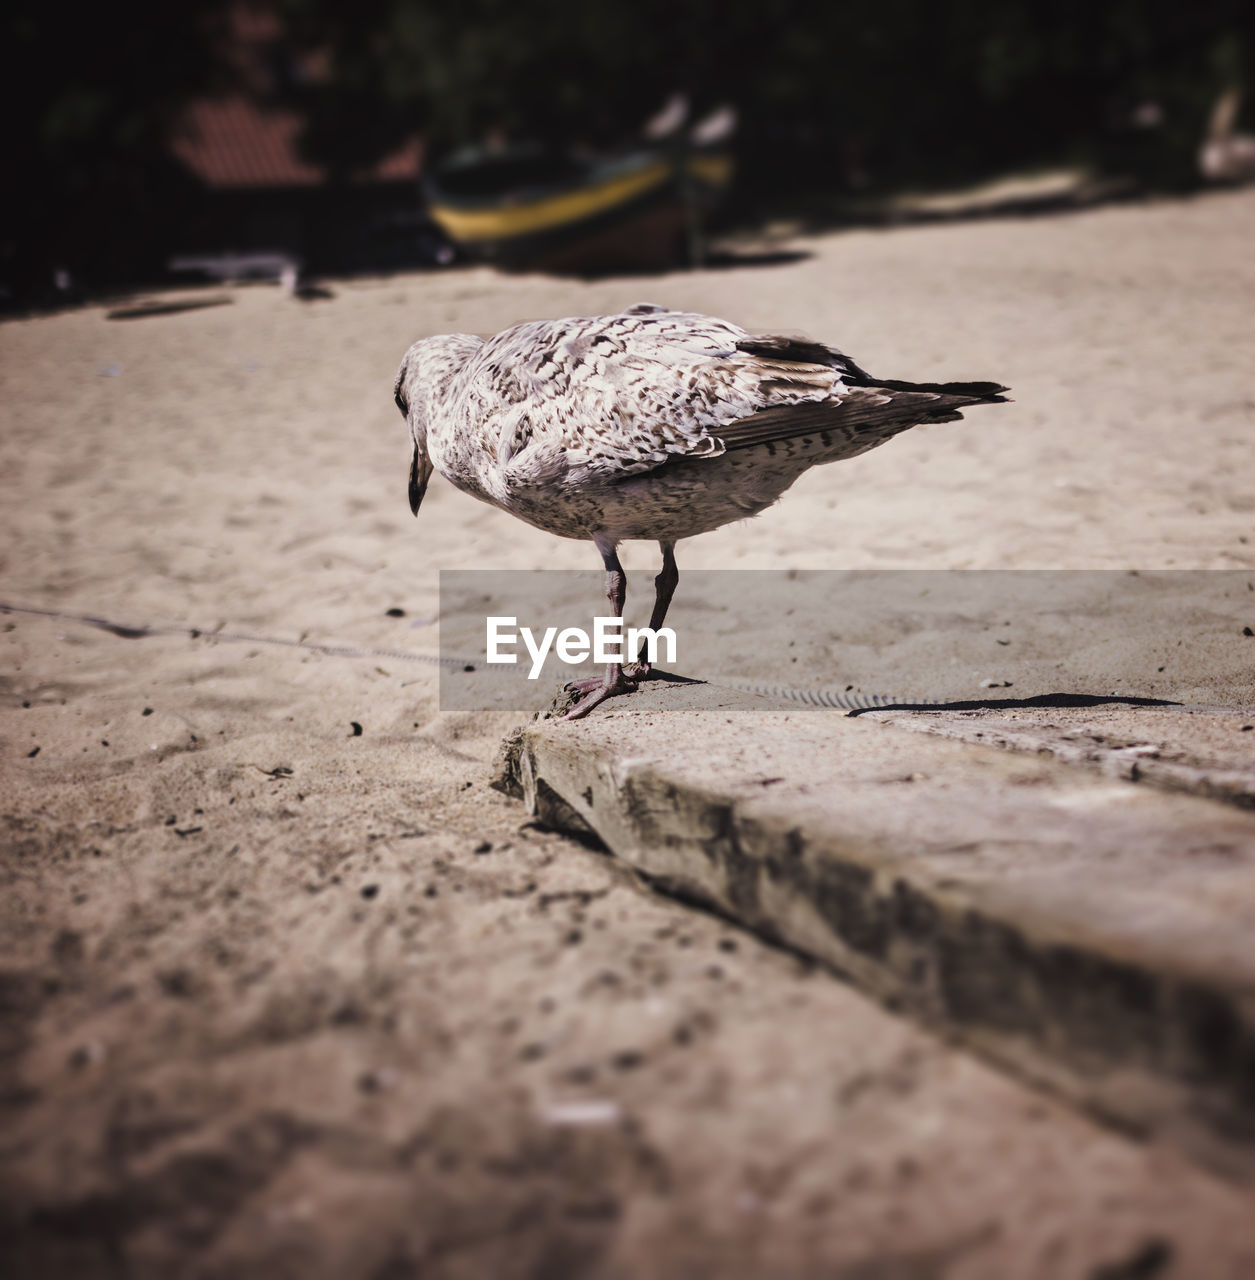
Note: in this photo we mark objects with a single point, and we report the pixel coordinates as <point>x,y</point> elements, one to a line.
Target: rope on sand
<point>843,699</point>
<point>129,631</point>
<point>136,631</point>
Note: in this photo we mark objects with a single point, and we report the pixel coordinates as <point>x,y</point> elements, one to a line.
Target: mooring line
<point>836,698</point>
<point>129,632</point>
<point>841,699</point>
<point>844,699</point>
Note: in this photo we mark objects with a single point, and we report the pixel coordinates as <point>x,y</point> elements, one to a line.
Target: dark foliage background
<point>922,90</point>
<point>87,94</point>
<point>884,92</point>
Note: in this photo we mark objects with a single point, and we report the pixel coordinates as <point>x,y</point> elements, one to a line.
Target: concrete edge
<point>1151,1051</point>
<point>1131,764</point>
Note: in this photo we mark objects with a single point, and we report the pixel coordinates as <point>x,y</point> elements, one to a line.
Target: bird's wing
<point>861,417</point>
<point>609,397</point>
<point>860,412</point>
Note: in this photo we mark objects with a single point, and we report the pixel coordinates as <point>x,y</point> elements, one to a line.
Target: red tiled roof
<point>233,142</point>
<point>240,140</point>
<point>230,142</point>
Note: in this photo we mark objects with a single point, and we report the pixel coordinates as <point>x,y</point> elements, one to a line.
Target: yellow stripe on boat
<point>551,211</point>
<point>715,169</point>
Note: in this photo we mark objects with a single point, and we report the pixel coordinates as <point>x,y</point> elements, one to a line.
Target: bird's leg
<point>664,589</point>
<point>614,681</point>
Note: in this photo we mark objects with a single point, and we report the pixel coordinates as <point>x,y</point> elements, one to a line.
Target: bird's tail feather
<point>802,351</point>
<point>973,392</point>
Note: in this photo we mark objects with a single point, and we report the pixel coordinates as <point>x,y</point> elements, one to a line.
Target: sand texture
<point>286,989</point>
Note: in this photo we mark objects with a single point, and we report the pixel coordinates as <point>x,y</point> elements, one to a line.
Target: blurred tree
<point>89,93</point>
<point>892,89</point>
<point>830,95</point>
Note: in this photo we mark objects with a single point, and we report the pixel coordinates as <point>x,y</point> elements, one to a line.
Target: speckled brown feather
<point>647,424</point>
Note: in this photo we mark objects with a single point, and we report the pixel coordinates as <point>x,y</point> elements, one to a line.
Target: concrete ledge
<point>1200,751</point>
<point>1096,936</point>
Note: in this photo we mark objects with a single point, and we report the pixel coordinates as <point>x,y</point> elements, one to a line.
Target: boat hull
<point>641,212</point>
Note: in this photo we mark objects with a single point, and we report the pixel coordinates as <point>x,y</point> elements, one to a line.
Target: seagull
<point>649,424</point>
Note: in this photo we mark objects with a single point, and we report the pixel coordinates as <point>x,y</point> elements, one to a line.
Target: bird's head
<point>422,384</point>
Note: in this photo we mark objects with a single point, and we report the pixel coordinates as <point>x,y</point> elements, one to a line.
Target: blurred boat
<point>531,208</point>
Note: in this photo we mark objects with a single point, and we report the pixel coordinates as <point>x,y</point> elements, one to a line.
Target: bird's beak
<point>420,473</point>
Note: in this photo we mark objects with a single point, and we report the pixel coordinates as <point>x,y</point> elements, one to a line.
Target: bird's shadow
<point>669,677</point>
<point>1056,700</point>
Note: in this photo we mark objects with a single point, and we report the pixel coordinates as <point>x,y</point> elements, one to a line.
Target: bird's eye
<point>405,408</point>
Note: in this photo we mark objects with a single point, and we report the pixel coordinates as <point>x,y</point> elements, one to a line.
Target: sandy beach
<point>286,988</point>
